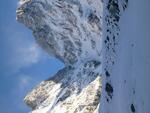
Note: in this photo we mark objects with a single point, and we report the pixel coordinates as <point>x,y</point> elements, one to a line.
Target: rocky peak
<point>69,30</point>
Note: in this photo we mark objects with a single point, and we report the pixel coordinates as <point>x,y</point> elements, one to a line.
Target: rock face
<point>70,30</point>
<point>71,90</point>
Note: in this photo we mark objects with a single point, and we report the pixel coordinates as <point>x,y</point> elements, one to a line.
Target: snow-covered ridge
<point>71,31</point>
<point>71,90</point>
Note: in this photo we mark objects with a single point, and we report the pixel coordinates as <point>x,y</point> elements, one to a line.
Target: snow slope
<point>126,65</point>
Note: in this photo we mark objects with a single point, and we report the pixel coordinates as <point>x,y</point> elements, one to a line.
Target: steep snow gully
<point>93,38</point>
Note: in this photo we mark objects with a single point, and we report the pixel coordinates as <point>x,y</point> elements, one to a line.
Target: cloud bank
<point>20,50</point>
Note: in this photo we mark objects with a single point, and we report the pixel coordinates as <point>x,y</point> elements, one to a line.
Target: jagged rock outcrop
<point>71,90</point>
<point>68,29</point>
<point>71,31</point>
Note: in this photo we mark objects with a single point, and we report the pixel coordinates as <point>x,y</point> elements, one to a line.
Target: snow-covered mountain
<point>70,30</point>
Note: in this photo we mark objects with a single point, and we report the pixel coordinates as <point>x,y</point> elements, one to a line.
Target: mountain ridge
<point>70,31</point>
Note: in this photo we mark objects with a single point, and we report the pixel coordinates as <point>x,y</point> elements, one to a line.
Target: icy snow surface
<point>127,57</point>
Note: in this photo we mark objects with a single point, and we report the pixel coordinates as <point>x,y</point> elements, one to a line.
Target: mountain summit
<point>71,31</point>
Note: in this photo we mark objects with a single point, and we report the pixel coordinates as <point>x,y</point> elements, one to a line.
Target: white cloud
<point>26,55</point>
<point>23,56</point>
<point>21,49</point>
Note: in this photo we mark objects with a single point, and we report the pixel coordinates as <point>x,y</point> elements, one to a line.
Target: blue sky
<point>22,63</point>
